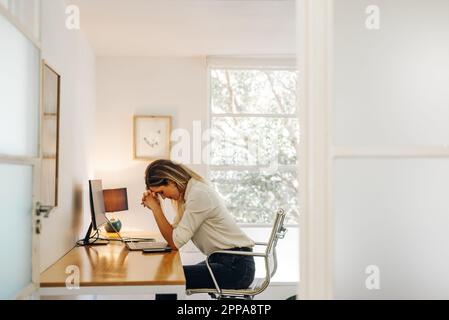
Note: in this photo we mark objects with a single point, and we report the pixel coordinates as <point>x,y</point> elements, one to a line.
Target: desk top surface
<point>115,265</point>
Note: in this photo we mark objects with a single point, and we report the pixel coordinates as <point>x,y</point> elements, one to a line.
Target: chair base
<point>229,297</point>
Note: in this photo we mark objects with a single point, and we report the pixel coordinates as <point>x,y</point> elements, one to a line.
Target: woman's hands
<point>150,200</point>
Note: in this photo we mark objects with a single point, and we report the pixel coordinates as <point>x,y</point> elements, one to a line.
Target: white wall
<point>181,28</point>
<point>391,91</point>
<point>142,86</point>
<point>27,13</point>
<point>69,53</point>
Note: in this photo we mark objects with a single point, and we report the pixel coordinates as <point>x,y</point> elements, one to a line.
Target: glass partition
<point>19,101</point>
<point>15,228</point>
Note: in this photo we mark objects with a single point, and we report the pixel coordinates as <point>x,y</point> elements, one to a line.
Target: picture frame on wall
<point>151,137</point>
<point>51,88</point>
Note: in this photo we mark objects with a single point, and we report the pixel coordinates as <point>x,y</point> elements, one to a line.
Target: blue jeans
<point>231,271</point>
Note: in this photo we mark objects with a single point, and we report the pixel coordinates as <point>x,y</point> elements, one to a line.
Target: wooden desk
<point>113,269</point>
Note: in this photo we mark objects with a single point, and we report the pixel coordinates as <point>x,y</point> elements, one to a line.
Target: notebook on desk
<point>138,244</point>
<point>146,246</point>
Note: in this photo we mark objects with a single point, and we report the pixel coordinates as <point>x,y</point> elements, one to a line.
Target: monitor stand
<point>93,242</point>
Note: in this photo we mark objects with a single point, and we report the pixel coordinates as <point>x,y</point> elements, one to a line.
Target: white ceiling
<point>189,27</point>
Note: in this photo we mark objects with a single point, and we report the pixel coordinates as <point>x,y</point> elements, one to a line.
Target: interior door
<point>19,159</point>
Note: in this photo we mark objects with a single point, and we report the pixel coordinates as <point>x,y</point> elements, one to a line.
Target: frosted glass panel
<point>15,228</point>
<point>4,3</point>
<point>391,84</point>
<point>392,213</point>
<point>19,98</point>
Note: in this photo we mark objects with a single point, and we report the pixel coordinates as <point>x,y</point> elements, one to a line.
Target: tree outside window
<point>255,133</point>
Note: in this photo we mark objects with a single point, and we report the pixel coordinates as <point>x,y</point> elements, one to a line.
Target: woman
<point>203,218</point>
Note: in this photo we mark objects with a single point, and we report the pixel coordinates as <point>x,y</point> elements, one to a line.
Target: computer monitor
<point>97,211</point>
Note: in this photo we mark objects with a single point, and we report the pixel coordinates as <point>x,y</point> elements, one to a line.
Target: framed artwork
<point>152,137</point>
<point>51,87</point>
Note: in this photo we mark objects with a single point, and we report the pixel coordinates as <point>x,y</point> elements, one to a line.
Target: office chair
<point>259,284</point>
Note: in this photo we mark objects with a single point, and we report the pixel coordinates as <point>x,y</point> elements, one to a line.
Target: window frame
<point>287,63</point>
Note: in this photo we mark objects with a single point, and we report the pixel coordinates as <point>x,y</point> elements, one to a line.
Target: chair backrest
<point>278,232</point>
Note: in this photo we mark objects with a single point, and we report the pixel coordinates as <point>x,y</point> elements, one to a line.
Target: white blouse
<point>207,222</point>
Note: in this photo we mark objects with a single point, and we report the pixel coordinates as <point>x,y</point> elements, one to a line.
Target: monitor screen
<point>97,204</point>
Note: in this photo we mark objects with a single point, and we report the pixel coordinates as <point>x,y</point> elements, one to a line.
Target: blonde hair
<point>160,172</point>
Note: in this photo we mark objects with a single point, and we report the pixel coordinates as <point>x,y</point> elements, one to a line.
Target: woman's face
<point>169,191</point>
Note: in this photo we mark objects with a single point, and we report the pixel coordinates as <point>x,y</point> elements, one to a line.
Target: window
<point>255,132</point>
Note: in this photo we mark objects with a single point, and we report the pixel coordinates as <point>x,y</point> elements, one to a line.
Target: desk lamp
<point>115,200</point>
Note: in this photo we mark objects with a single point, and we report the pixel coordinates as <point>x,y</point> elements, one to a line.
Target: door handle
<point>41,209</point>
<point>38,226</point>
